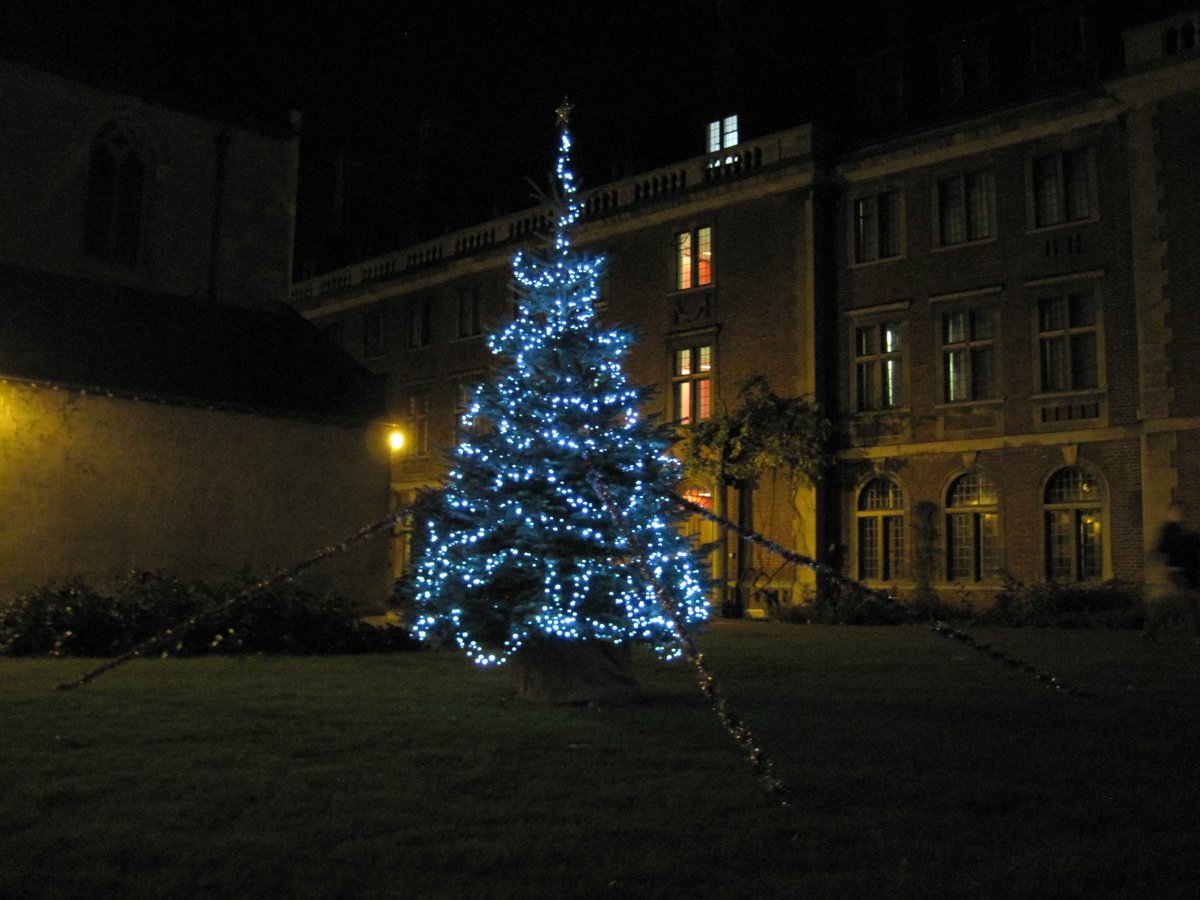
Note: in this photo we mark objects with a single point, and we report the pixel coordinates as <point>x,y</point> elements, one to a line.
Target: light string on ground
<point>763,767</point>
<point>163,637</point>
<point>937,626</point>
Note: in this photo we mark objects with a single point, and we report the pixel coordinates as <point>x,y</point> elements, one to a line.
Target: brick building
<point>700,255</point>
<point>1012,388</point>
<point>983,275</point>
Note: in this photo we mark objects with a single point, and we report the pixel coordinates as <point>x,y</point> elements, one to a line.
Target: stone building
<point>160,405</point>
<point>982,274</point>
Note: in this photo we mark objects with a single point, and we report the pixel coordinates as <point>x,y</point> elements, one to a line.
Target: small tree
<point>763,432</point>
<point>554,543</point>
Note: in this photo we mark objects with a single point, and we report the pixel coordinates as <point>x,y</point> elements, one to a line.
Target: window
<point>1183,38</point>
<point>372,332</point>
<point>693,258</point>
<point>335,333</point>
<point>877,226</point>
<point>1074,532</point>
<point>418,323</point>
<point>414,408</point>
<point>469,323</point>
<point>972,529</point>
<point>1062,39</point>
<point>1170,41</point>
<point>1067,342</point>
<point>700,530</point>
<point>880,517</point>
<point>964,68</point>
<point>878,98</point>
<point>600,304</point>
<point>691,376</point>
<point>964,205</point>
<point>877,366</point>
<point>403,532</point>
<point>464,393</point>
<point>112,224</point>
<point>722,133</point>
<point>1061,185</point>
<point>968,355</point>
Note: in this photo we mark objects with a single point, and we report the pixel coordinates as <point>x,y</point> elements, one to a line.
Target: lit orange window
<point>694,258</point>
<point>692,382</point>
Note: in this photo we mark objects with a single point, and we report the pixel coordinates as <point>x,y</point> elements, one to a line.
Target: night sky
<point>457,96</point>
<point>467,89</point>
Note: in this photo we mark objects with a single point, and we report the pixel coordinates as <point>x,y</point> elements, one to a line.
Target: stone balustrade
<point>696,174</point>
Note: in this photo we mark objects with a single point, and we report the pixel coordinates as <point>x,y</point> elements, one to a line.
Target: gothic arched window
<point>116,186</point>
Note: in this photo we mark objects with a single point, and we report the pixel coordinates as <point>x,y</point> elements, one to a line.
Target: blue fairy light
<point>523,546</point>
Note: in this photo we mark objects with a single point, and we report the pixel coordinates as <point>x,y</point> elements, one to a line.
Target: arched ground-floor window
<point>972,528</point>
<point>1074,513</point>
<point>882,551</point>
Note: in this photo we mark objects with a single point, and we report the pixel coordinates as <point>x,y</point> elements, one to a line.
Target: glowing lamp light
<point>396,439</point>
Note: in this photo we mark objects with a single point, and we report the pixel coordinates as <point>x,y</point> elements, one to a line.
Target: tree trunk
<point>559,671</point>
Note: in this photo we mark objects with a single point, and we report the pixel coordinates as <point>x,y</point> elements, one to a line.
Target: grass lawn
<point>919,768</point>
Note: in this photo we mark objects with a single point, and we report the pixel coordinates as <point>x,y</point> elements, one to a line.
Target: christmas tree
<point>556,525</point>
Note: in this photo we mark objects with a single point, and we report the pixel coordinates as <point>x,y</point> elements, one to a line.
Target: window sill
<point>893,586</point>
<point>1075,409</point>
<point>868,263</point>
<point>969,404</point>
<point>977,242</point>
<point>1096,393</point>
<point>134,276</point>
<point>1036,230</point>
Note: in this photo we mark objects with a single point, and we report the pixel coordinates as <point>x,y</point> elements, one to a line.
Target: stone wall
<point>94,486</point>
<point>206,181</point>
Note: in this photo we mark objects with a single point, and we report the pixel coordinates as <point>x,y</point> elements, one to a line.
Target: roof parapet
<point>743,160</point>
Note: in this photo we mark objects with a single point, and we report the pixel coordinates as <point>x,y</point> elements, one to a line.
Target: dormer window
<point>878,93</point>
<point>1061,39</point>
<point>964,68</point>
<point>722,134</point>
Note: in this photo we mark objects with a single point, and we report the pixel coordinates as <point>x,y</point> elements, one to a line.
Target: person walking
<point>1178,549</point>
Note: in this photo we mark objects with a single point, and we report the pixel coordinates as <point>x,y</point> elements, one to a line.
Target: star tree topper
<point>524,549</point>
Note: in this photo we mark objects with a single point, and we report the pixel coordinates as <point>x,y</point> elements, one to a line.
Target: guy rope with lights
<point>160,642</point>
<point>557,522</point>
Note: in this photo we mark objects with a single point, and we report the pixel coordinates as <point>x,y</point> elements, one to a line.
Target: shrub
<point>72,619</point>
<point>151,602</point>
<point>847,604</point>
<point>1113,604</point>
<point>66,618</point>
<point>290,619</point>
<point>928,604</point>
